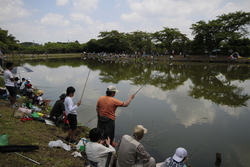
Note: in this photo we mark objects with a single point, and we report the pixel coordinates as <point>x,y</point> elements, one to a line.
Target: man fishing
<point>105,108</point>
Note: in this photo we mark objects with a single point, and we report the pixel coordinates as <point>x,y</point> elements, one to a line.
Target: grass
<point>35,133</point>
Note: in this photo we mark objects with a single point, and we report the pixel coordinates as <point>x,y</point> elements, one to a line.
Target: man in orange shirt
<point>105,108</point>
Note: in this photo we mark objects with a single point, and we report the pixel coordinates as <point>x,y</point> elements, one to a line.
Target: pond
<point>201,107</point>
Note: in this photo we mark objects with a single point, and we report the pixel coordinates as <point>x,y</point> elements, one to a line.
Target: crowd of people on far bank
<point>100,150</point>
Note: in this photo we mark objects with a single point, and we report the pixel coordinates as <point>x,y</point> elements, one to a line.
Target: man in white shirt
<point>9,84</point>
<point>96,152</point>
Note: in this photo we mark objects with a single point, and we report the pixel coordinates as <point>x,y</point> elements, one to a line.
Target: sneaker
<point>67,139</point>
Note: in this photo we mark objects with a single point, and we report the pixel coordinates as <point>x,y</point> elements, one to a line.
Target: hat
<point>28,85</point>
<point>39,92</point>
<point>112,88</point>
<point>180,154</point>
<point>62,96</point>
<point>139,130</point>
<point>29,79</point>
<point>16,79</point>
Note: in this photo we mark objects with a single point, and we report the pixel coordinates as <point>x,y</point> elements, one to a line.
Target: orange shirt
<point>107,106</point>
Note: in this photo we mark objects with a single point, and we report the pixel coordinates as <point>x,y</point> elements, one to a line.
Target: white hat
<point>29,79</point>
<point>180,154</point>
<point>112,88</point>
<point>139,130</point>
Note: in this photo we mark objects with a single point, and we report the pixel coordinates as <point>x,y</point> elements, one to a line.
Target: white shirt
<point>40,99</point>
<point>70,108</point>
<point>7,76</point>
<point>97,152</point>
<point>22,86</point>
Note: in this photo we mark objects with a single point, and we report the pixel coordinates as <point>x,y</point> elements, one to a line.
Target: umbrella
<point>19,69</point>
<point>216,50</point>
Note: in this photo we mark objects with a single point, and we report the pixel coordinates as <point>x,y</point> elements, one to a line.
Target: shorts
<point>72,121</point>
<point>12,90</point>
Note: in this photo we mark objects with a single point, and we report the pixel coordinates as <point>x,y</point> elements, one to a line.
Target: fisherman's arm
<point>142,153</point>
<point>128,101</point>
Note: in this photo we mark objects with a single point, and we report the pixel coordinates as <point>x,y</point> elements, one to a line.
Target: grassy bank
<point>34,133</point>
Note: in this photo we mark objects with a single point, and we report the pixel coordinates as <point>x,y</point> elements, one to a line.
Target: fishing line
<point>145,83</point>
<point>90,120</point>
<point>43,86</point>
<point>85,84</point>
<point>194,151</point>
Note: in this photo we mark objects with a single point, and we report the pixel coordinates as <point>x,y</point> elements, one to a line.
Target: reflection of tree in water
<point>206,84</point>
<point>169,78</point>
<point>238,72</point>
<point>220,91</point>
<point>212,82</point>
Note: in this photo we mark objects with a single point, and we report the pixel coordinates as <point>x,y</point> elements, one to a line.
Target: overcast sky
<point>44,21</point>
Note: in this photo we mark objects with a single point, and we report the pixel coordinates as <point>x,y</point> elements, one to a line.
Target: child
<point>41,101</point>
<point>30,93</point>
<point>96,152</point>
<point>17,84</point>
<point>71,114</point>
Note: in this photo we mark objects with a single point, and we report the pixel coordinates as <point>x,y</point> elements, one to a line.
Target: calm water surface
<point>201,107</point>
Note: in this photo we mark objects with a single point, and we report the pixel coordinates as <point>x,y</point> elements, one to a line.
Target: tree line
<point>229,33</point>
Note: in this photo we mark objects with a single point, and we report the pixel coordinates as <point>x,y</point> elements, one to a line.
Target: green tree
<point>139,41</point>
<point>8,42</point>
<point>166,38</point>
<point>112,41</point>
<point>225,27</point>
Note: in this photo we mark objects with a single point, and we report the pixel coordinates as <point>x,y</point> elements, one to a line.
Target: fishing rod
<point>43,86</point>
<point>145,83</point>
<point>194,151</point>
<point>85,84</point>
<point>28,158</point>
<point>90,120</point>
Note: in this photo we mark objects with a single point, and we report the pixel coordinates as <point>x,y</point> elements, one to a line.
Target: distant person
<point>131,152</point>
<point>22,86</point>
<point>30,94</point>
<point>177,160</point>
<point>40,101</point>
<point>58,110</point>
<point>97,153</point>
<point>105,108</point>
<point>16,84</point>
<point>9,84</point>
<point>71,113</point>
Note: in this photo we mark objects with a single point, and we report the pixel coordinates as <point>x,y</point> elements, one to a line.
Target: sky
<point>42,21</point>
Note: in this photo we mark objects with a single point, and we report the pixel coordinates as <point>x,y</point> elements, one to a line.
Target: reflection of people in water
<point>229,68</point>
<point>235,55</point>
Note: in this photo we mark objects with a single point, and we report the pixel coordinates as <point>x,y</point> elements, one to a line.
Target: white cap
<point>112,88</point>
<point>29,79</point>
<point>180,154</point>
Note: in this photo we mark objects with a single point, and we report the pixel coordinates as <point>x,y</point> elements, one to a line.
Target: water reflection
<point>203,106</point>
